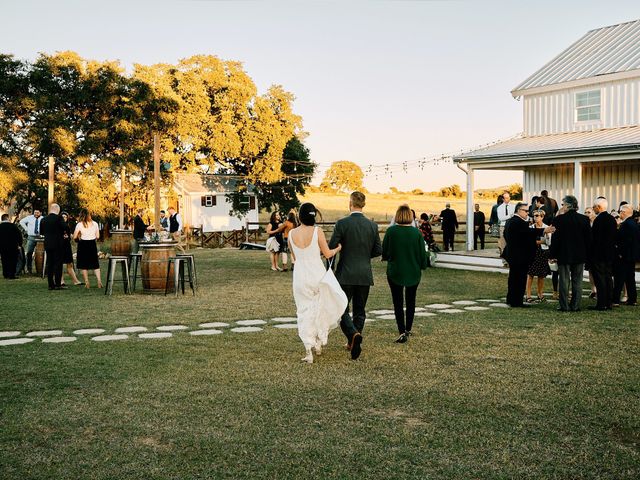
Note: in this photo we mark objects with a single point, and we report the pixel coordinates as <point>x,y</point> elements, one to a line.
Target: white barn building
<point>203,202</point>
<point>581,132</point>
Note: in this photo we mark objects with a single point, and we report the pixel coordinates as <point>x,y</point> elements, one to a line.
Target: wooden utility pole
<point>156,180</point>
<point>122,179</point>
<point>52,164</point>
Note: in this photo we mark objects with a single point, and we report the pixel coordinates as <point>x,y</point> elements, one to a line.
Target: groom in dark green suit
<point>360,243</point>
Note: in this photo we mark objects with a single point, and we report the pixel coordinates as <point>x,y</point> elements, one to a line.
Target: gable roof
<point>603,51</point>
<point>200,183</point>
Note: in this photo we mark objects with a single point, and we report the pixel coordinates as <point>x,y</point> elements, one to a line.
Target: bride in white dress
<point>316,311</point>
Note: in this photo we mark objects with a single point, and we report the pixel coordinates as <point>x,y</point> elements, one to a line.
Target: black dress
<point>87,255</point>
<point>67,253</point>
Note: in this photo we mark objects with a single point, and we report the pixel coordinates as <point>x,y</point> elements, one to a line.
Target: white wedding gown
<point>314,321</point>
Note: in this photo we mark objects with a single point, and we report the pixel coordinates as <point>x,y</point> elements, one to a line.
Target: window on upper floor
<point>588,106</point>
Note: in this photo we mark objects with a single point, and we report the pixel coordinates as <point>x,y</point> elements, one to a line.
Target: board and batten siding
<point>554,112</point>
<point>616,181</point>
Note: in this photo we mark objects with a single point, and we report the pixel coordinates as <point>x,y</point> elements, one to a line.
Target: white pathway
<point>16,337</point>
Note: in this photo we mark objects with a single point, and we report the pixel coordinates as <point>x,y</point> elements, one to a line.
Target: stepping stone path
<point>381,312</point>
<point>292,325</point>
<point>419,309</point>
<point>170,328</point>
<point>155,335</point>
<point>9,334</point>
<point>45,333</point>
<point>425,314</point>
<point>250,322</point>
<point>108,338</point>
<point>499,305</point>
<point>214,325</point>
<point>386,317</point>
<point>488,300</point>
<point>439,306</point>
<point>464,302</point>
<point>476,309</point>
<point>206,332</point>
<point>131,329</point>
<point>284,319</point>
<point>88,331</point>
<point>15,341</point>
<point>246,329</point>
<point>452,310</point>
<point>59,339</point>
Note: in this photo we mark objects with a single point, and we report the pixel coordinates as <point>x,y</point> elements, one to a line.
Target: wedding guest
<point>549,205</point>
<point>539,268</point>
<point>164,221</point>
<point>31,225</point>
<point>449,222</point>
<point>478,227</point>
<point>53,229</point>
<point>10,243</point>
<point>275,240</point>
<point>175,228</point>
<point>427,232</point>
<point>86,234</point>
<point>504,211</point>
<point>139,229</point>
<point>602,254</point>
<point>289,224</point>
<point>591,216</point>
<point>67,252</point>
<point>404,250</point>
<point>627,254</point>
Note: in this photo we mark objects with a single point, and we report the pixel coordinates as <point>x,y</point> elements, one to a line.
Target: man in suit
<point>627,254</point>
<point>139,229</point>
<point>53,229</point>
<point>519,252</point>
<point>549,205</point>
<point>449,221</point>
<point>478,227</point>
<point>360,242</point>
<point>10,243</point>
<point>570,245</point>
<point>602,254</point>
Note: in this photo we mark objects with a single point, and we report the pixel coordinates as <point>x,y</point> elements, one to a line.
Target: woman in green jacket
<point>403,248</point>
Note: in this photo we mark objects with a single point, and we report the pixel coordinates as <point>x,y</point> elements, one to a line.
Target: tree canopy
<point>343,176</point>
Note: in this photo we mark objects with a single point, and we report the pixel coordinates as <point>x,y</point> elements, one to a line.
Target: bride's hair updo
<point>308,214</point>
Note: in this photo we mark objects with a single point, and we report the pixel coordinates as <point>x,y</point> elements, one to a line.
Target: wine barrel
<point>38,256</point>
<point>121,242</point>
<point>155,258</point>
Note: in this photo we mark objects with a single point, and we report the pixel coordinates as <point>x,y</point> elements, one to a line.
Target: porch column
<point>577,183</point>
<point>469,207</point>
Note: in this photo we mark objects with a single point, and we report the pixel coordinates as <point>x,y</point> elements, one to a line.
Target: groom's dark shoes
<point>356,348</point>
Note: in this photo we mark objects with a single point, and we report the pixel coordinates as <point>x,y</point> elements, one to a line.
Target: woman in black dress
<point>540,265</point>
<point>87,233</point>
<point>67,253</point>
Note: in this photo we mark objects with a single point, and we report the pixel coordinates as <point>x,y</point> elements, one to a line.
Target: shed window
<point>588,106</point>
<point>208,200</point>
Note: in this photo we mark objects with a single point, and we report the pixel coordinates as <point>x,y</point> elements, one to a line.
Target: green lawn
<point>493,394</point>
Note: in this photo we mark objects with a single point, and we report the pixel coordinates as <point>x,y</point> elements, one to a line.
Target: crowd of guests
<point>541,239</point>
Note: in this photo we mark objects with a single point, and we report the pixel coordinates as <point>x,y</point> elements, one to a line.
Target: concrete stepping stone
<point>291,325</point>
<point>419,309</point>
<point>214,325</point>
<point>284,319</point>
<point>15,341</point>
<point>499,305</point>
<point>88,331</point>
<point>9,334</point>
<point>488,300</point>
<point>109,338</point>
<point>130,329</point>
<point>246,329</point>
<point>155,335</point>
<point>426,314</point>
<point>45,333</point>
<point>248,323</point>
<point>381,312</point>
<point>169,328</point>
<point>476,309</point>
<point>371,320</point>
<point>59,339</point>
<point>464,302</point>
<point>439,306</point>
<point>452,310</point>
<point>386,317</point>
<point>206,332</point>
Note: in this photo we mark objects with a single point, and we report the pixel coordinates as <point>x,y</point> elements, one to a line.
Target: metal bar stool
<point>192,267</point>
<point>135,259</point>
<point>111,271</point>
<point>178,275</point>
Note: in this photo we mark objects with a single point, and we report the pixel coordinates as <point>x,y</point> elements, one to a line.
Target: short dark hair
<point>424,216</point>
<point>307,214</point>
<point>358,199</point>
<point>570,202</point>
<point>162,211</point>
<point>519,205</point>
<point>544,193</point>
<point>5,216</point>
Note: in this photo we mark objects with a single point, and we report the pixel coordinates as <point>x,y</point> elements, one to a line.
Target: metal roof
<point>609,139</point>
<point>602,51</point>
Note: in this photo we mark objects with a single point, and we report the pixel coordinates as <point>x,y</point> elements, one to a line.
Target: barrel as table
<point>121,242</point>
<point>155,258</point>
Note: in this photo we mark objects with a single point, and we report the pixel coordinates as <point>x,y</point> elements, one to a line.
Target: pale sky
<point>376,82</point>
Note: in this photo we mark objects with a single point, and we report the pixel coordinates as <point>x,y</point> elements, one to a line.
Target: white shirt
<point>29,224</point>
<point>505,212</point>
<point>92,232</point>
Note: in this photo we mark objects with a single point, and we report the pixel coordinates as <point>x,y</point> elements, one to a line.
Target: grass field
<point>493,394</point>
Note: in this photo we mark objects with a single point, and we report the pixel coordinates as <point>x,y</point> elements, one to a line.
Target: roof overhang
<point>582,82</point>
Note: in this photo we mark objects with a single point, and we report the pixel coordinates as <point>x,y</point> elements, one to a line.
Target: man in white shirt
<point>505,211</point>
<point>31,225</point>
<point>175,227</point>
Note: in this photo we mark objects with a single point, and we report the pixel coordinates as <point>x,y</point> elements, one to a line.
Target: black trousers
<point>54,267</point>
<point>478,234</point>
<point>516,284</point>
<point>624,275</point>
<point>9,263</point>
<point>603,279</point>
<point>357,296</point>
<point>397,295</point>
<point>447,239</point>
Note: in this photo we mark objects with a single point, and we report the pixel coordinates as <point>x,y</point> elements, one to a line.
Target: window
<point>208,201</point>
<point>588,106</point>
